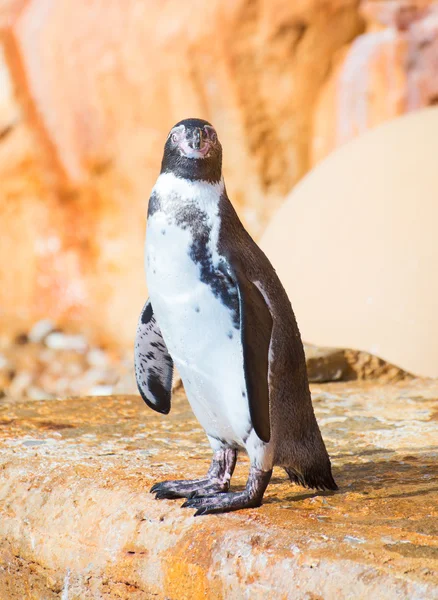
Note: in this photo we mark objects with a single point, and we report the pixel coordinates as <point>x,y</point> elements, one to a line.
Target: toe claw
<point>167,495</point>
<point>192,503</point>
<point>198,489</point>
<point>195,494</point>
<point>221,503</point>
<point>159,496</point>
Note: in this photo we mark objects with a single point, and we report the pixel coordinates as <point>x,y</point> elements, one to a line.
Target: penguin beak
<point>197,139</point>
<point>195,144</point>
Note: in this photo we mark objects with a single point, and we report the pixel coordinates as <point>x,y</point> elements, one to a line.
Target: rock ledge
<point>77,520</point>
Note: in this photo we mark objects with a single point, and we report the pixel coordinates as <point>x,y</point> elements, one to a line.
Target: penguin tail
<point>315,478</point>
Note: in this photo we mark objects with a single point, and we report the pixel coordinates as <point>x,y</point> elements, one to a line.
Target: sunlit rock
<point>356,245</point>
<point>78,521</point>
<point>389,70</point>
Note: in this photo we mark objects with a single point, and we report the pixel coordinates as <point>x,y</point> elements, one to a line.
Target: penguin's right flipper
<point>256,330</point>
<point>153,363</point>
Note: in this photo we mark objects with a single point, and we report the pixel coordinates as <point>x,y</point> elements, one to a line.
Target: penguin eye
<point>174,137</point>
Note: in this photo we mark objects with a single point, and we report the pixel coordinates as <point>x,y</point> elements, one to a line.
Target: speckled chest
<point>190,291</point>
<point>196,304</point>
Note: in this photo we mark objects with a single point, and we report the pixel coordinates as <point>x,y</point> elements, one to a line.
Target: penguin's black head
<point>193,151</point>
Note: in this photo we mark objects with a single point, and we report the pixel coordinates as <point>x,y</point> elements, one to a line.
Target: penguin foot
<point>216,481</point>
<point>186,489</point>
<point>210,490</point>
<point>220,503</point>
<point>250,497</point>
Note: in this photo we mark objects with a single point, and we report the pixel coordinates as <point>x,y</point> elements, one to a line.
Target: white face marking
<point>178,136</point>
<point>177,132</point>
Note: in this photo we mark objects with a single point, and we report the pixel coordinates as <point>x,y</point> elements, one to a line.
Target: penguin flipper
<point>153,363</point>
<point>256,330</point>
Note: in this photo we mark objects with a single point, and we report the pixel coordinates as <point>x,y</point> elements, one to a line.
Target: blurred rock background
<point>88,92</point>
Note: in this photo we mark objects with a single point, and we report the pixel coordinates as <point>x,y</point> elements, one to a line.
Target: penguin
<point>218,312</point>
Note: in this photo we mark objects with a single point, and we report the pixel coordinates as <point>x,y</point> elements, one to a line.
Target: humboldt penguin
<point>218,312</point>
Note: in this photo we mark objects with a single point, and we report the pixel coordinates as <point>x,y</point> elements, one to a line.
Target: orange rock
<point>389,70</point>
<point>9,9</point>
<point>77,520</point>
<point>99,85</point>
<point>89,91</point>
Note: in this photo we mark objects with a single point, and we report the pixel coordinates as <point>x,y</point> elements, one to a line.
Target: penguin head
<point>193,151</point>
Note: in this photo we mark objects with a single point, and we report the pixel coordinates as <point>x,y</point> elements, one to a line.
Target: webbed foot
<point>216,481</point>
<point>185,489</point>
<point>250,497</point>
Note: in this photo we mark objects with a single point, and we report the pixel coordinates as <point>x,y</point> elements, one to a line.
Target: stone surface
<point>363,275</point>
<point>84,111</point>
<point>98,99</point>
<point>46,364</point>
<point>77,520</point>
<point>50,364</point>
<point>389,70</point>
<point>335,364</point>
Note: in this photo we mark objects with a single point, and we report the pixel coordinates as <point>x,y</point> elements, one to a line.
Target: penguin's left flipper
<point>153,363</point>
<point>256,330</point>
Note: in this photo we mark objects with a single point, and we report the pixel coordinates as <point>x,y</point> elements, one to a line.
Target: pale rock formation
<point>356,245</point>
<point>387,71</point>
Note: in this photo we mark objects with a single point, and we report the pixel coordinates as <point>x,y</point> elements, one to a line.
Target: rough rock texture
<point>336,364</point>
<point>46,363</point>
<point>84,110</point>
<point>387,71</point>
<point>323,365</point>
<point>95,101</point>
<point>77,520</point>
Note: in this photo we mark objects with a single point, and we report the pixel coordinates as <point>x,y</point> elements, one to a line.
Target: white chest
<point>197,326</point>
<point>181,241</point>
<point>171,273</point>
